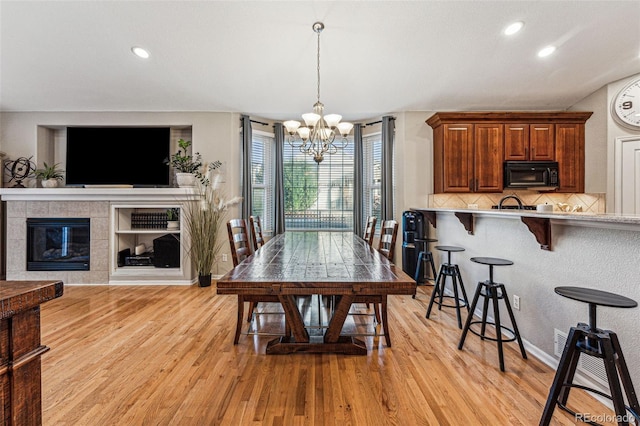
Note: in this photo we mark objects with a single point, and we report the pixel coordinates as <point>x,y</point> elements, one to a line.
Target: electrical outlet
<point>224,257</point>
<point>516,302</point>
<point>472,206</point>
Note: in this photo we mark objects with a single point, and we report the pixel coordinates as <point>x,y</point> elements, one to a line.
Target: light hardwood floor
<point>163,355</point>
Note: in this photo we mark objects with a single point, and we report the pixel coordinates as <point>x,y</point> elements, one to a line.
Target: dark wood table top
<point>317,262</point>
<point>19,296</point>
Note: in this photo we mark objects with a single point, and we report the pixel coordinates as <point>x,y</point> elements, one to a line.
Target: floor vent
<point>588,365</point>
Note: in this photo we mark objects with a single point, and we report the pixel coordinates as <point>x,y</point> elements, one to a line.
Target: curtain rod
<point>376,122</point>
<point>259,122</point>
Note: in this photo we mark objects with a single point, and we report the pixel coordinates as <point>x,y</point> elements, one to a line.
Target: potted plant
<point>49,175</point>
<point>173,218</point>
<point>204,220</point>
<point>188,167</point>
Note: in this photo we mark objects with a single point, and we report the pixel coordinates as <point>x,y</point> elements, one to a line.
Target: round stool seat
<point>449,248</point>
<point>492,261</point>
<point>596,297</point>
<point>426,240</point>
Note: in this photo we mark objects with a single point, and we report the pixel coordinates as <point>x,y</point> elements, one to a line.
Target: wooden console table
<point>20,349</point>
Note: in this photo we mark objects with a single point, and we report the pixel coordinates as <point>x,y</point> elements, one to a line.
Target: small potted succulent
<point>173,218</point>
<point>188,167</point>
<point>49,175</point>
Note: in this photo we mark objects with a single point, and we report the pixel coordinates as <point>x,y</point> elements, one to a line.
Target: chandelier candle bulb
<point>332,120</point>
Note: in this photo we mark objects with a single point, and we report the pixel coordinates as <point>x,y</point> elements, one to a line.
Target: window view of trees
<point>318,196</point>
<point>301,186</point>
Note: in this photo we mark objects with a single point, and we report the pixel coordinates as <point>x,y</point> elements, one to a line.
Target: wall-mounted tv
<point>118,156</point>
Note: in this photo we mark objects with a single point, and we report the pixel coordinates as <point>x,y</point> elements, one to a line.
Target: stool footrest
<point>462,302</point>
<point>602,394</point>
<point>512,338</point>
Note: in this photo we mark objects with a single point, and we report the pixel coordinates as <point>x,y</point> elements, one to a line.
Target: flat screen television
<point>118,156</point>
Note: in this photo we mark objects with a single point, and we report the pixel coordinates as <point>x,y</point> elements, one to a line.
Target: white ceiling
<point>259,58</point>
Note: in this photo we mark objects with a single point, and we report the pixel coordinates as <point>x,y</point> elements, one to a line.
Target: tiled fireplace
<point>97,212</point>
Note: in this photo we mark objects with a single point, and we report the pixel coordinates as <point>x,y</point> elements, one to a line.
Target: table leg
<point>337,320</point>
<point>294,319</point>
<point>332,342</point>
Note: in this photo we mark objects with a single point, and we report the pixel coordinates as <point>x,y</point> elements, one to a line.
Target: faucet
<point>515,197</point>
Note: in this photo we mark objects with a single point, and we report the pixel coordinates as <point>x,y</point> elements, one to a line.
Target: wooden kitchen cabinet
<point>487,158</point>
<point>529,142</point>
<point>469,148</point>
<point>570,157</point>
<point>470,158</point>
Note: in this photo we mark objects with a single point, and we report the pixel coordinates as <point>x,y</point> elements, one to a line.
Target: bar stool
<point>492,291</point>
<point>604,344</point>
<point>425,255</point>
<point>449,270</point>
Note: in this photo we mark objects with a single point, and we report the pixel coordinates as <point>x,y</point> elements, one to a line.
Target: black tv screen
<point>118,156</point>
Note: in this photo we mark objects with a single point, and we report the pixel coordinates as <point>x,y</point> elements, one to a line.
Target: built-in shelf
<point>126,236</point>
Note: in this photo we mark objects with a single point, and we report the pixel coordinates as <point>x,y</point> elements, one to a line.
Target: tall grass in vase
<point>204,220</point>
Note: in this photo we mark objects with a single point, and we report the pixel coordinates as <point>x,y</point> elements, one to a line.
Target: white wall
<point>605,259</point>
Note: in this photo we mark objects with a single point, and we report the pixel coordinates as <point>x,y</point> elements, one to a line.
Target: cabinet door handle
<point>470,184</point>
<point>526,152</point>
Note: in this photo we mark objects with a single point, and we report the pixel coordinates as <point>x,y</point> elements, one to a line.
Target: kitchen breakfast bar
<point>549,250</point>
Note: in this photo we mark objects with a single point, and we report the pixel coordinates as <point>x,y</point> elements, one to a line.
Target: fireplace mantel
<point>96,194</point>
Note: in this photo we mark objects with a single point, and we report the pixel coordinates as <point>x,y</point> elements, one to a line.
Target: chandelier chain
<point>318,68</point>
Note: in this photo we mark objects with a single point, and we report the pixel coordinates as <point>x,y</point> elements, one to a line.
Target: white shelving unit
<point>125,236</point>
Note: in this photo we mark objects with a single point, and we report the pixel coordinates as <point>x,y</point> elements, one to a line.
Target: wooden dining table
<point>325,263</point>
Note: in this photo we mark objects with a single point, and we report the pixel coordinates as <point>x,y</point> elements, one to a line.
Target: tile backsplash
<point>591,203</point>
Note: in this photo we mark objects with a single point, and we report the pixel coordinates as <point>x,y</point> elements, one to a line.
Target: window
<point>318,196</point>
<point>372,177</point>
<point>262,167</point>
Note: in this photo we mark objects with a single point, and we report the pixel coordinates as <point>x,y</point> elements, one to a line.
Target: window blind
<point>318,196</point>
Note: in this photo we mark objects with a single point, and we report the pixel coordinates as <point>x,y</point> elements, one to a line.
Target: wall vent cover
<point>590,366</point>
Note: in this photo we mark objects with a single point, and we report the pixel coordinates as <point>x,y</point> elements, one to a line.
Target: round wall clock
<point>625,107</point>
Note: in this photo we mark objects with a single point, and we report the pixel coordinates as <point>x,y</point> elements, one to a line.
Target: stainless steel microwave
<point>530,174</point>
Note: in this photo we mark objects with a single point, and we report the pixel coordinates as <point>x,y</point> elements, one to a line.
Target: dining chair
<point>386,247</point>
<point>369,232</point>
<point>240,250</point>
<point>388,235</point>
<point>256,232</point>
<point>370,229</point>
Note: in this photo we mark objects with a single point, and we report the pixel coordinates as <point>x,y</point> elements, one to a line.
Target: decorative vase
<point>186,179</point>
<point>173,224</point>
<point>204,280</point>
<point>50,183</point>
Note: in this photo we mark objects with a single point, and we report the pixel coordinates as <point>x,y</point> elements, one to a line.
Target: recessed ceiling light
<point>514,28</point>
<point>546,51</point>
<point>140,52</point>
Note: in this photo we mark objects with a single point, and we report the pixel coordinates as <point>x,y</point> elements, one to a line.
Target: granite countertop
<point>610,218</point>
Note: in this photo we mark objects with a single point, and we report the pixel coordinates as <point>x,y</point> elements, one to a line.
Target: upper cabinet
<point>529,142</point>
<point>470,148</point>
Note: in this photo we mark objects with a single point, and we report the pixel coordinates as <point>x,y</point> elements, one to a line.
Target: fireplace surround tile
<point>97,211</point>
